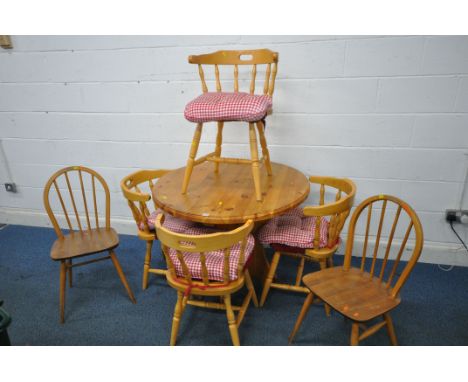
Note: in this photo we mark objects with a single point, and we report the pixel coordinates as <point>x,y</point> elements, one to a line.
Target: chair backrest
<point>240,57</point>
<point>137,199</point>
<point>405,225</point>
<point>79,180</point>
<point>202,244</point>
<point>336,212</point>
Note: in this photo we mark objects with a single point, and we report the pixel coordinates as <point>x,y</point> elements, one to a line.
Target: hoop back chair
<point>225,106</point>
<point>137,201</point>
<point>86,236</point>
<point>325,222</point>
<point>370,291</point>
<point>208,263</point>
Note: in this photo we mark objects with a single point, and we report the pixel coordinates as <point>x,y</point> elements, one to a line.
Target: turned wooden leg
<point>177,316</point>
<point>250,286</point>
<point>263,143</point>
<point>269,278</point>
<point>192,155</point>
<point>255,163</point>
<point>70,274</point>
<point>323,265</point>
<point>355,334</point>
<point>390,329</point>
<point>122,276</point>
<point>305,308</point>
<point>146,267</point>
<point>63,280</point>
<point>300,270</point>
<point>219,141</point>
<point>330,262</point>
<point>231,321</point>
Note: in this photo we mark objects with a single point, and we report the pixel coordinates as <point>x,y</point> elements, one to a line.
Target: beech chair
<point>366,293</point>
<point>137,200</point>
<point>81,240</point>
<point>222,106</point>
<point>311,233</point>
<point>206,262</point>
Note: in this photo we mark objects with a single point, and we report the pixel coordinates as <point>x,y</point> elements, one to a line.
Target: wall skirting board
<point>433,252</point>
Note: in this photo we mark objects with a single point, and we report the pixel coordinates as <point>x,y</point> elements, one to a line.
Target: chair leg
<point>269,278</point>
<point>70,274</point>
<point>330,262</point>
<point>231,320</point>
<point>390,329</point>
<point>219,141</point>
<point>63,281</point>
<point>266,153</point>
<point>146,267</point>
<point>300,270</point>
<point>305,308</point>
<point>255,164</point>
<point>355,334</point>
<point>243,308</point>
<point>250,286</point>
<point>323,265</point>
<point>178,310</point>
<point>192,155</point>
<point>122,276</point>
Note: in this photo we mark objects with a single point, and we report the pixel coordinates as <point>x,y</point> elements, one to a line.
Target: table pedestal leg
<point>258,268</point>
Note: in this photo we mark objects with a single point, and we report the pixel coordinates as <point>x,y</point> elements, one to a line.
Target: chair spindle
<point>202,78</point>
<point>236,78</point>
<point>227,252</point>
<point>85,203</point>
<point>389,243</point>
<point>73,202</point>
<point>366,239</point>
<point>218,82</point>
<point>377,240</point>
<point>96,215</point>
<point>252,81</point>
<point>267,79</point>
<point>63,206</point>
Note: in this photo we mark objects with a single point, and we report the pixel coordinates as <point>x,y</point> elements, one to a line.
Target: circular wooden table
<point>228,197</point>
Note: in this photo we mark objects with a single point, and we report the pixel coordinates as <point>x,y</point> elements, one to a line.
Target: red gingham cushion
<point>214,260</point>
<point>294,230</point>
<point>170,222</point>
<point>227,107</point>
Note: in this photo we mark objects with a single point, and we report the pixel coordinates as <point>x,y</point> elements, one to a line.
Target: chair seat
<point>170,222</point>
<point>84,243</point>
<point>214,260</point>
<point>293,229</point>
<point>221,106</point>
<point>352,293</point>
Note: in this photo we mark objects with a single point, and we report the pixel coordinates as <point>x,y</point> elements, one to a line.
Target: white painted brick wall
<point>389,112</point>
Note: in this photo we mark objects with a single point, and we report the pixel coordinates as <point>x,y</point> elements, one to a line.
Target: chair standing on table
<point>310,233</point>
<point>82,240</point>
<point>222,106</point>
<point>206,262</point>
<point>137,201</point>
<point>370,291</point>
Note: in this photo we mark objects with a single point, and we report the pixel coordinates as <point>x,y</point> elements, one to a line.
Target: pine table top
<point>229,196</point>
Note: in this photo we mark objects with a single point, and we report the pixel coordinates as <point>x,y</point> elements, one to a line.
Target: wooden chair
<point>227,106</point>
<point>363,294</point>
<point>81,240</point>
<point>137,201</point>
<point>325,222</point>
<point>206,263</point>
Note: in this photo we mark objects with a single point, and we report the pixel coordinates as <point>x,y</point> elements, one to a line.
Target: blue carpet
<point>434,310</point>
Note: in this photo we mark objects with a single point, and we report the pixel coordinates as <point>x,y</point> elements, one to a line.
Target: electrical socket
<point>457,216</point>
<point>10,187</point>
